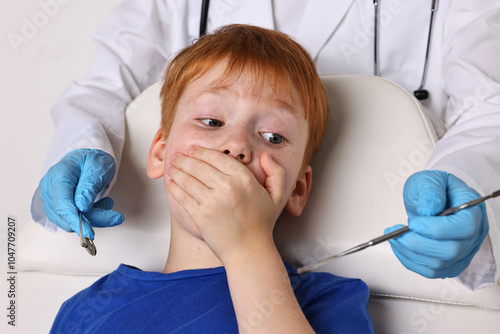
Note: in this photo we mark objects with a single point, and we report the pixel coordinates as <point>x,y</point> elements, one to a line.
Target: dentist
<point>446,52</point>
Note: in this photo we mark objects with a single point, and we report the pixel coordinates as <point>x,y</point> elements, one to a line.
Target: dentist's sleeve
<point>133,47</point>
<point>471,147</point>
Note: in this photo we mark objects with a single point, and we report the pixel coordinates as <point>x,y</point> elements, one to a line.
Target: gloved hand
<point>439,246</point>
<point>72,185</point>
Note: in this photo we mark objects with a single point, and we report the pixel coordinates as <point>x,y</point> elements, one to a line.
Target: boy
<point>243,111</point>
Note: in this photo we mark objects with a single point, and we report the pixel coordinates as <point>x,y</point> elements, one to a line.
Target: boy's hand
<point>231,209</point>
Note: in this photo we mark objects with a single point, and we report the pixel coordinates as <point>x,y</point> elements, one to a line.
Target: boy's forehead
<point>266,88</point>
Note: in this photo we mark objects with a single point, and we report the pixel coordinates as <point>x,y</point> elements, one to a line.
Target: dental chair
<point>377,136</point>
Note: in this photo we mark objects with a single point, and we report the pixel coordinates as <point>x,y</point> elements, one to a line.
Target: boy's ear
<point>298,199</point>
<point>156,156</point>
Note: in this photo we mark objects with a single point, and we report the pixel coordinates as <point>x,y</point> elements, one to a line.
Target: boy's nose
<point>241,157</point>
<point>238,147</point>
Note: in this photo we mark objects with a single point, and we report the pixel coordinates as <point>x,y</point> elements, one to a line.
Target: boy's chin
<point>184,221</point>
<point>193,230</point>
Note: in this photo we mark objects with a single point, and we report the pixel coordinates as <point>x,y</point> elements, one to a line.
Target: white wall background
<point>32,76</point>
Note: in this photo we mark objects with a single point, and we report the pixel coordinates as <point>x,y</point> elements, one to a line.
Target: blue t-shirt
<point>198,301</point>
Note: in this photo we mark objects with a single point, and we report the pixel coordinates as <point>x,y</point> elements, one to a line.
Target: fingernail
<point>191,150</point>
<point>168,167</point>
<point>175,157</point>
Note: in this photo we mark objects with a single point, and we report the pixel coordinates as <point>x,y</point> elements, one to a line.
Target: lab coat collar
<point>254,12</point>
<point>320,20</point>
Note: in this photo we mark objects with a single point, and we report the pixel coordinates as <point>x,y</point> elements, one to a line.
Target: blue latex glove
<point>72,185</point>
<point>439,246</point>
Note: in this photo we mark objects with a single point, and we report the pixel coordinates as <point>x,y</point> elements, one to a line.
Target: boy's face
<point>242,121</point>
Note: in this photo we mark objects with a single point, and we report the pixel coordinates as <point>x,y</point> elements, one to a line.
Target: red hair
<point>269,55</point>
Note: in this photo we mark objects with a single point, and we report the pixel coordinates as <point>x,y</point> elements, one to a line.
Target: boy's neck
<point>188,252</point>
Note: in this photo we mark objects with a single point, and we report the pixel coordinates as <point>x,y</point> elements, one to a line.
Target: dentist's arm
<point>469,149</point>
<point>132,48</point>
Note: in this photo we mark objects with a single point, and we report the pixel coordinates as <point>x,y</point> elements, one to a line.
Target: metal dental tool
<point>393,234</point>
<point>86,242</point>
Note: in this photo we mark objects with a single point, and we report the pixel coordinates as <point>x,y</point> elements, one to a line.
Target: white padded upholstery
<point>377,136</point>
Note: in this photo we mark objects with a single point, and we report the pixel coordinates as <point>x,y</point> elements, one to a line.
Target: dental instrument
<point>86,242</point>
<point>393,234</point>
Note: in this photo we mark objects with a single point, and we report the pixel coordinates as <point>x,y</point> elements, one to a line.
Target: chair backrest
<point>378,135</point>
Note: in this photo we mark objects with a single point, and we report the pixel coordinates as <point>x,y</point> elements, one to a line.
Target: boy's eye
<point>273,138</point>
<point>212,122</point>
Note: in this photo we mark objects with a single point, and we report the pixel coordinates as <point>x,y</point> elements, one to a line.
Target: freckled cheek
<point>291,163</point>
<point>182,142</point>
<point>170,151</point>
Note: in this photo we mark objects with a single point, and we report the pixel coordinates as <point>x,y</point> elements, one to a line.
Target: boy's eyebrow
<point>278,103</point>
<point>285,106</point>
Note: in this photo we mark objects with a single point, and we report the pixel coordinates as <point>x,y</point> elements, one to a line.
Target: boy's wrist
<point>260,251</point>
<point>260,278</point>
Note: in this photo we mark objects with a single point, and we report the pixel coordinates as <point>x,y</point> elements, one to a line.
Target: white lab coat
<point>136,41</point>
